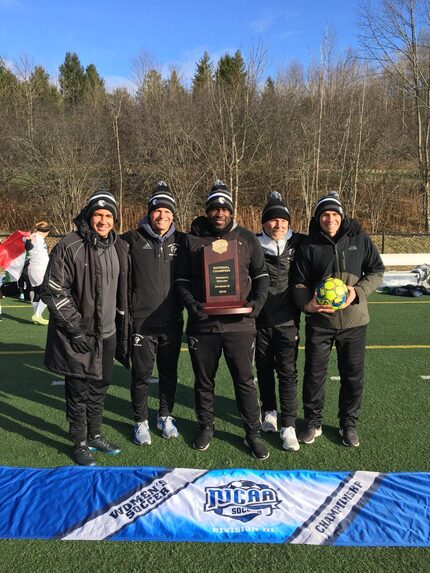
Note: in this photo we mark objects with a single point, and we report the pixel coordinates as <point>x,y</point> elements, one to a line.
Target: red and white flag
<point>12,254</point>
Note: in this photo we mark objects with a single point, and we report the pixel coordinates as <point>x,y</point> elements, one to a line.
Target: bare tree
<point>396,37</point>
<point>117,101</point>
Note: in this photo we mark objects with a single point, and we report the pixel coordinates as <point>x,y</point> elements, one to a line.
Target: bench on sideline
<point>395,278</point>
<point>405,259</point>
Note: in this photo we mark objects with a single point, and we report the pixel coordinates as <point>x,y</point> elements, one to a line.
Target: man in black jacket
<point>85,289</point>
<point>336,247</point>
<point>156,312</point>
<point>278,323</point>
<point>233,334</point>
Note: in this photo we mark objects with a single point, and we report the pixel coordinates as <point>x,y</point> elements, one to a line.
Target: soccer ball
<point>332,292</point>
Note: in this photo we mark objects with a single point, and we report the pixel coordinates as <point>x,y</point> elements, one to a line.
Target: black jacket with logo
<point>153,260</point>
<point>350,256</point>
<point>253,277</point>
<point>280,308</point>
<point>72,289</point>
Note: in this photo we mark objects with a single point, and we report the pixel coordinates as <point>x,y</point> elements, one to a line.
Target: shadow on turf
<point>189,428</point>
<point>18,348</point>
<point>7,316</point>
<point>32,428</point>
<point>184,397</point>
<point>331,433</point>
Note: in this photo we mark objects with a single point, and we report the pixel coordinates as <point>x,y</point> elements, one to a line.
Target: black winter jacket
<point>72,290</point>
<point>253,277</point>
<point>350,256</point>
<point>280,308</point>
<point>153,259</point>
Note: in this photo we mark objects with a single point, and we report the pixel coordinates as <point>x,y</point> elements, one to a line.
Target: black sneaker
<point>204,438</point>
<point>257,446</point>
<point>308,435</point>
<point>82,454</point>
<point>349,437</point>
<point>101,444</point>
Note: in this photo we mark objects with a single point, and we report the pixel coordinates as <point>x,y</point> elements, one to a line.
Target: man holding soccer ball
<point>336,247</point>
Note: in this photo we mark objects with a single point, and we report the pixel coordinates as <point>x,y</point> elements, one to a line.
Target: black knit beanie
<point>329,202</point>
<point>275,208</point>
<point>161,197</point>
<point>219,197</point>
<point>102,199</point>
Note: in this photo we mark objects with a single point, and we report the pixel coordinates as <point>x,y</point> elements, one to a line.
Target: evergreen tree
<point>93,81</point>
<point>152,85</point>
<point>94,86</point>
<point>8,85</point>
<point>72,79</point>
<point>269,87</point>
<point>231,69</point>
<point>45,92</point>
<point>204,73</point>
<point>174,88</point>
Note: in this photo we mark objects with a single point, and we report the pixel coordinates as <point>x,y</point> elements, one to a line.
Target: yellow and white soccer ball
<point>332,292</point>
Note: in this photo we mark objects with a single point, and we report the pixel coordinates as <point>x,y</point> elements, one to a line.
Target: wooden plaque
<point>221,276</point>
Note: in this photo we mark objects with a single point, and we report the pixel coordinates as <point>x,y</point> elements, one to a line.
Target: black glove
<point>80,343</point>
<point>196,310</point>
<point>256,308</point>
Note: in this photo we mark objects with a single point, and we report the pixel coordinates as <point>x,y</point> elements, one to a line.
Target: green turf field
<point>394,436</point>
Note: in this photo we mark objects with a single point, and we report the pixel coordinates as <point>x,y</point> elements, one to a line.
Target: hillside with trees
<point>357,123</point>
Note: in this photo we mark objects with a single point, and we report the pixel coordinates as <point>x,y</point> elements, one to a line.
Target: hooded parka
<point>350,256</point>
<point>72,290</point>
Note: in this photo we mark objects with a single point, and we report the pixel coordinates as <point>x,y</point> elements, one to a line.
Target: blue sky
<point>112,34</point>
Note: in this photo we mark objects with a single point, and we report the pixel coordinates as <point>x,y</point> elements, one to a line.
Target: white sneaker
<point>167,425</point>
<point>270,422</point>
<point>142,437</point>
<point>289,439</point>
<point>37,319</point>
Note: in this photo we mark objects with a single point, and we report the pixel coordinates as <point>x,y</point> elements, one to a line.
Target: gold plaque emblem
<point>220,246</point>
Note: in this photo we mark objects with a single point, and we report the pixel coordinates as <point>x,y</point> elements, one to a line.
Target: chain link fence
<point>402,242</point>
<point>386,242</point>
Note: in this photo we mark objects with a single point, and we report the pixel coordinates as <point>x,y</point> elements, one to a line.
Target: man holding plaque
<point>222,279</point>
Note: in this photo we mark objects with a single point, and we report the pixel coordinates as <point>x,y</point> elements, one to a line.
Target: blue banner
<point>229,505</point>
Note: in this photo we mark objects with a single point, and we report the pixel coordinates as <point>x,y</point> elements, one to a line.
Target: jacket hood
<point>145,225</point>
<point>200,227</point>
<point>85,231</point>
<point>348,226</point>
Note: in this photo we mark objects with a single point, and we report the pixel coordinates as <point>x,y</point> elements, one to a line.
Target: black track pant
<point>205,352</point>
<point>148,347</point>
<point>85,398</point>
<point>36,291</point>
<point>276,350</point>
<point>350,344</point>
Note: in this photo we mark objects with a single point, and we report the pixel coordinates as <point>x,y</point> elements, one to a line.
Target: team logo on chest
<point>173,249</point>
<point>192,343</point>
<point>242,500</point>
<point>137,339</point>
